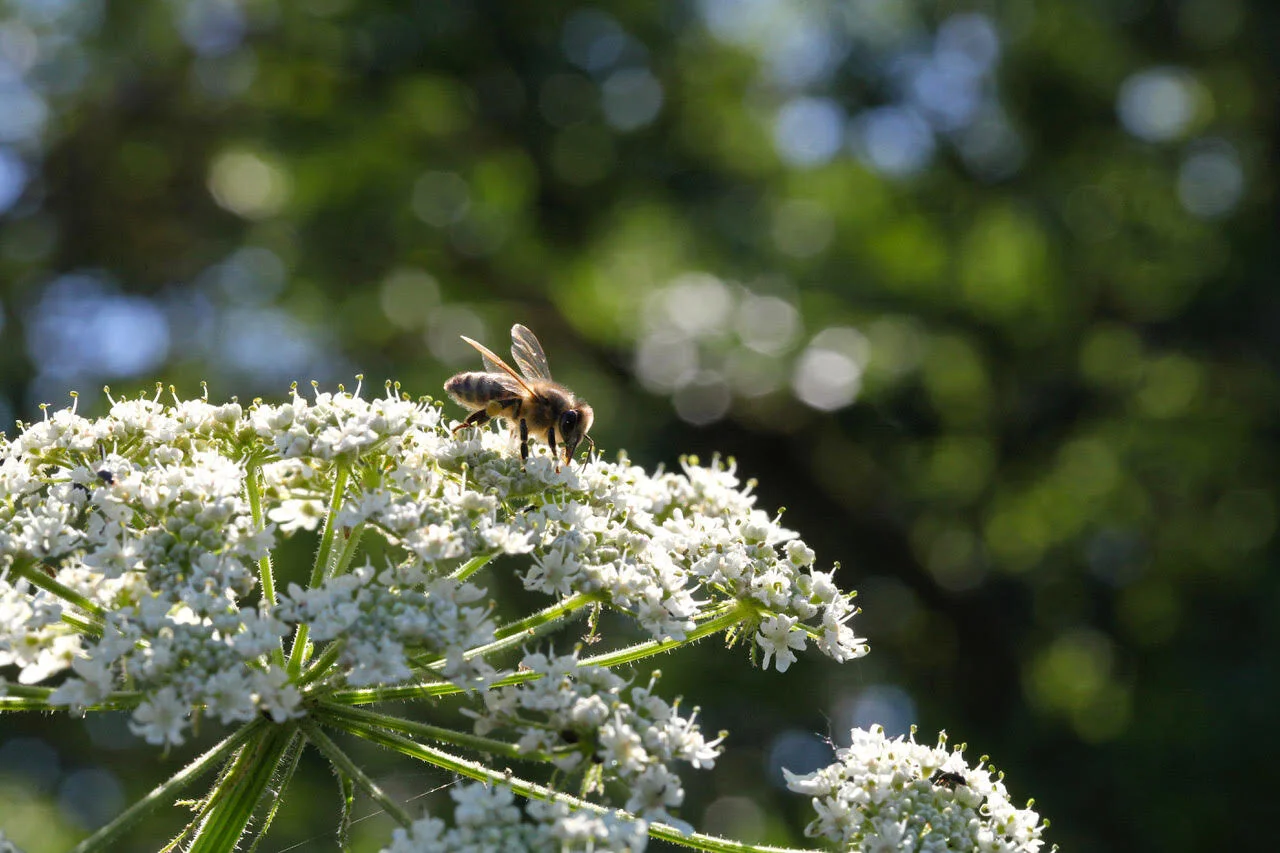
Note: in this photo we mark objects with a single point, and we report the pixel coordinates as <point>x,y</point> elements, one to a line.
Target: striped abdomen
<point>476,390</point>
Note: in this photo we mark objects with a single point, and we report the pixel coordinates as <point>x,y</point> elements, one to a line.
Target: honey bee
<point>532,403</point>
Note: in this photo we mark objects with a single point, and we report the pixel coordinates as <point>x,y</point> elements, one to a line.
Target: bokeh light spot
<point>702,400</point>
<point>632,98</point>
<point>798,751</point>
<point>968,44</point>
<point>809,131</point>
<point>699,304</point>
<point>804,50</point>
<point>876,704</point>
<point>13,178</point>
<point>1170,385</point>
<point>267,342</point>
<point>19,47</point>
<point>92,796</point>
<point>1211,179</point>
<point>408,296</point>
<point>828,375</point>
<point>895,141</point>
<point>896,346</point>
<point>956,379</point>
<point>990,146</point>
<point>31,760</point>
<point>1071,672</point>
<point>1004,263</point>
<point>950,552</point>
<point>449,322</point>
<point>212,27</point>
<point>1111,355</point>
<point>768,324</point>
<point>666,360</point>
<point>1089,467</point>
<point>593,40</point>
<point>441,198</point>
<point>81,328</point>
<point>248,184</point>
<point>1158,104</point>
<point>251,275</point>
<point>22,112</point>
<point>946,95</point>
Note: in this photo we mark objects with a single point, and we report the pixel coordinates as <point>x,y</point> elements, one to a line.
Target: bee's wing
<point>493,364</point>
<point>528,353</point>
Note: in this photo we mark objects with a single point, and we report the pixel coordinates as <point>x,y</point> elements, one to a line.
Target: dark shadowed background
<point>983,294</point>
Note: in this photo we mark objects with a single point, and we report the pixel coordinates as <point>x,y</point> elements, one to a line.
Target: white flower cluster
<point>487,819</point>
<point>159,538</point>
<point>886,794</point>
<point>578,715</point>
<point>664,548</point>
<point>162,516</point>
<point>380,618</point>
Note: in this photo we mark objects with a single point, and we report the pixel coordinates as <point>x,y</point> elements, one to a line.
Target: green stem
<point>725,617</point>
<point>318,668</point>
<point>319,571</point>
<point>340,760</point>
<point>526,629</point>
<point>30,570</point>
<point>239,793</point>
<point>349,549</point>
<point>259,522</point>
<point>108,837</point>
<point>729,615</point>
<point>20,697</point>
<point>82,624</point>
<point>470,567</point>
<point>339,715</point>
<point>480,772</point>
<point>288,767</point>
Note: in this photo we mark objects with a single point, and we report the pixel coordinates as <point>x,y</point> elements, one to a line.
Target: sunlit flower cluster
<point>161,517</point>
<point>885,794</point>
<point>580,716</point>
<point>487,818</point>
<point>380,619</point>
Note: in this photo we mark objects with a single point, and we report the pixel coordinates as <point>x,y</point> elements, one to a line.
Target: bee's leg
<point>524,441</point>
<point>479,418</point>
<point>551,442</point>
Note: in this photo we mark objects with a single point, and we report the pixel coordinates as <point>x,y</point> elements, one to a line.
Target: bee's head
<point>573,427</point>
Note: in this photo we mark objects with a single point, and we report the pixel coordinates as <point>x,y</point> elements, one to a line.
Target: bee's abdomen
<point>478,389</point>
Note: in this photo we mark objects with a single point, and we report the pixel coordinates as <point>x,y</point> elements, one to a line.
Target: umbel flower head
<point>893,794</point>
<point>138,572</point>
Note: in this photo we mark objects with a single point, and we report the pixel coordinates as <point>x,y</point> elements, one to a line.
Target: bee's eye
<point>568,421</point>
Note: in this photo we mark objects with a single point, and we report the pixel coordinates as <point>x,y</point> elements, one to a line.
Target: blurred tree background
<point>981,292</point>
